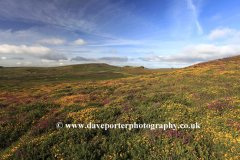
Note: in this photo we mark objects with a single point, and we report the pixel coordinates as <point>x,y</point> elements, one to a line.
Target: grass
<point>206,93</point>
<point>22,77</point>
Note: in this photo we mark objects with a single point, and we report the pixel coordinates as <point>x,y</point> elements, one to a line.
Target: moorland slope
<point>206,93</point>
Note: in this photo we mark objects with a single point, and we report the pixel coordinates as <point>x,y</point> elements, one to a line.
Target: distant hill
<point>31,76</point>
<point>130,67</point>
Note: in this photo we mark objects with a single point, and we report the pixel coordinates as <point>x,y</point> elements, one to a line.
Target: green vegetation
<point>207,93</point>
<point>21,77</point>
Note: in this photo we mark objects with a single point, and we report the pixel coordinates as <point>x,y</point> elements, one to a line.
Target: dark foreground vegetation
<point>33,100</point>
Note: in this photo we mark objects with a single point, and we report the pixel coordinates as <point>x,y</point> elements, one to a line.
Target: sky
<point>149,33</point>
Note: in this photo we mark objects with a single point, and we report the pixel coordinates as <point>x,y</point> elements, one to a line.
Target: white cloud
<point>3,57</point>
<point>195,16</point>
<point>68,60</point>
<point>34,51</point>
<point>27,63</point>
<point>113,51</point>
<point>149,52</point>
<point>199,53</point>
<point>205,51</point>
<point>131,64</point>
<point>221,33</point>
<point>19,63</point>
<point>52,41</point>
<point>47,61</point>
<point>78,42</point>
<point>231,36</point>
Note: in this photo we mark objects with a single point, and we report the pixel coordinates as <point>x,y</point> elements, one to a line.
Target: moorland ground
<point>33,100</point>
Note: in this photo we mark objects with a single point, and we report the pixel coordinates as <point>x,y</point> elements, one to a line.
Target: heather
<point>207,93</point>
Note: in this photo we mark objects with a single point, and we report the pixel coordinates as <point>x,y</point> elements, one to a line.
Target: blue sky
<point>153,33</point>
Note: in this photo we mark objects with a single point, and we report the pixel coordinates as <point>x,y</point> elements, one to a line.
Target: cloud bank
<point>78,42</point>
<point>230,35</point>
<point>113,51</point>
<point>199,53</point>
<point>33,51</point>
<point>149,52</point>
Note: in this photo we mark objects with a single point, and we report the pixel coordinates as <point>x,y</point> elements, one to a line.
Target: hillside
<point>34,76</point>
<point>206,94</point>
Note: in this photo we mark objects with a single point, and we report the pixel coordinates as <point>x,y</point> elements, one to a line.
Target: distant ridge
<point>91,64</point>
<point>130,67</point>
